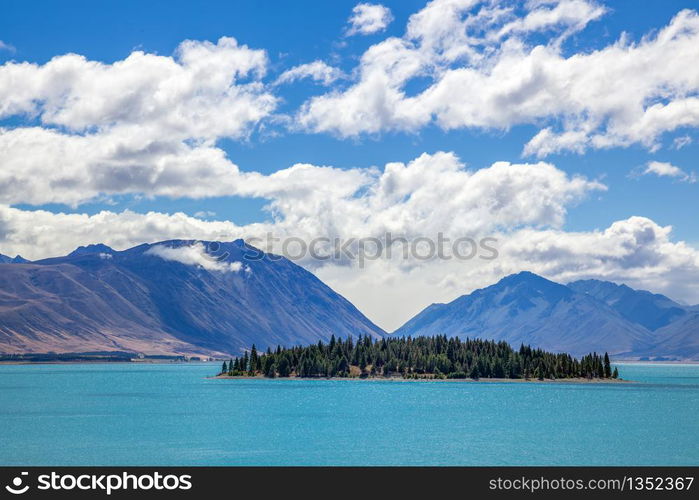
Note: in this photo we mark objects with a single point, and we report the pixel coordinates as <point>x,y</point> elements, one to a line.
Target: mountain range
<point>579,317</point>
<point>4,259</point>
<point>210,298</point>
<point>174,297</point>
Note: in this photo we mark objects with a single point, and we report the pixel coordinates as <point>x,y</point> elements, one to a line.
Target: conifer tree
<point>253,360</point>
<point>284,369</point>
<point>607,366</point>
<point>419,357</point>
<point>245,363</point>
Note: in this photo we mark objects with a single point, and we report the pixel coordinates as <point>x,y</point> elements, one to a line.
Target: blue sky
<point>297,32</point>
<point>290,34</point>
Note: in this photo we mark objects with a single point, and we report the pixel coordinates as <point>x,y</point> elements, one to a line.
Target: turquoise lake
<point>171,414</point>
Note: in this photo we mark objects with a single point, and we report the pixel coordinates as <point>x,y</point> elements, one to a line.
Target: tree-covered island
<point>436,357</point>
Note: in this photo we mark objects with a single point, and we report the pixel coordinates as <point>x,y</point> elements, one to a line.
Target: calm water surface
<point>131,414</point>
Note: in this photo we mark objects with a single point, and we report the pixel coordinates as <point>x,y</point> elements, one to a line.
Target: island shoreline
<point>402,379</point>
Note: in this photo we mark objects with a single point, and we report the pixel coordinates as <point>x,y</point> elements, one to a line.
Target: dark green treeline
<point>419,357</point>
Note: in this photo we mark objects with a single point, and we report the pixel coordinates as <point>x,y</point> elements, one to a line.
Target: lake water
<point>131,414</point>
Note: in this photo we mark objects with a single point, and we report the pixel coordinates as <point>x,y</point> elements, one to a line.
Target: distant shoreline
<point>667,362</point>
<point>108,362</point>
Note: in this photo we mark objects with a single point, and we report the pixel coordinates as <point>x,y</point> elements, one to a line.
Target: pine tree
<point>498,369</point>
<point>245,363</point>
<point>284,369</point>
<point>607,366</point>
<point>419,357</point>
<point>253,360</point>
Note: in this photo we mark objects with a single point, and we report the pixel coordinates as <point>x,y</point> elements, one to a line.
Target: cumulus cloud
<point>149,124</point>
<point>193,255</point>
<point>368,18</point>
<point>664,169</point>
<point>318,71</point>
<point>635,251</point>
<point>40,233</point>
<point>202,92</point>
<point>144,124</point>
<point>432,193</point>
<point>44,166</point>
<point>490,66</point>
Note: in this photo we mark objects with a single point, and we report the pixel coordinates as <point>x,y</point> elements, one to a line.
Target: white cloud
<point>45,166</point>
<point>149,124</point>
<point>574,14</point>
<point>430,194</point>
<point>664,169</point>
<point>204,92</point>
<point>317,71</point>
<point>433,193</point>
<point>635,251</point>
<point>193,255</point>
<point>7,47</point>
<point>682,141</point>
<point>41,234</point>
<point>369,18</point>
<point>144,124</point>
<point>486,70</point>
<point>523,206</point>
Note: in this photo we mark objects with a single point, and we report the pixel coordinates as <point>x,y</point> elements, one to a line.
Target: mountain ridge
<point>172,297</point>
<point>190,296</point>
<point>527,308</point>
<point>651,310</point>
<point>17,259</point>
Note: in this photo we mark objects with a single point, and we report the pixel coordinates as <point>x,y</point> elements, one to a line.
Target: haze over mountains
<point>186,297</point>
<point>173,297</point>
